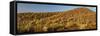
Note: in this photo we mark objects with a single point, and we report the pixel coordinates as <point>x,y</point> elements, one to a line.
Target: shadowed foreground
<point>76,19</point>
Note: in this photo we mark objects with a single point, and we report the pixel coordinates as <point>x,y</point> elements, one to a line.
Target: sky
<point>25,7</point>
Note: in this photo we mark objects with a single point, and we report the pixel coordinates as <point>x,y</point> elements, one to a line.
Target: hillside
<point>75,19</point>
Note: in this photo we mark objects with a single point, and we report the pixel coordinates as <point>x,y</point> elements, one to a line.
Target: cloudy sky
<point>25,7</point>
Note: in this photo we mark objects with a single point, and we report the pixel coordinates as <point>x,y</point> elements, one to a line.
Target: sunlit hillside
<point>75,19</point>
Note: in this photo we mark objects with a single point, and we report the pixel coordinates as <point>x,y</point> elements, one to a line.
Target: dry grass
<point>77,19</point>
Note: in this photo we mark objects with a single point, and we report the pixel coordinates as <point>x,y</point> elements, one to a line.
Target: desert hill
<point>75,19</point>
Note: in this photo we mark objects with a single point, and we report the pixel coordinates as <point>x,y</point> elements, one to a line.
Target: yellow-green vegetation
<point>76,19</point>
